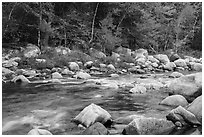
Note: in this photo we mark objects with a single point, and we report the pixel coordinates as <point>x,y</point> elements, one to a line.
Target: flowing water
<point>52,106</point>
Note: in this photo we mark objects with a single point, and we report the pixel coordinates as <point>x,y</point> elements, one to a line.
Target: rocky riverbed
<point>153,94</point>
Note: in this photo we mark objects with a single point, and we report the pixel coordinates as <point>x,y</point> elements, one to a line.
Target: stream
<point>52,106</point>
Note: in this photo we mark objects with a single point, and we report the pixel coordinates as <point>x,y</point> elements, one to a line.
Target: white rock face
<point>92,114</point>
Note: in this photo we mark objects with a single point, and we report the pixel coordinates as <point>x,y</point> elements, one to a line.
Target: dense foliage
<point>104,26</point>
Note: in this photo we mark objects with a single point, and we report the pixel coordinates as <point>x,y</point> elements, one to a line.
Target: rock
<point>181,114</point>
<point>152,59</point>
<point>189,59</point>
<point>189,86</point>
<point>39,132</point>
<point>148,126</point>
<point>155,65</point>
<point>196,108</point>
<point>176,75</point>
<point>140,61</point>
<point>29,73</point>
<point>73,66</point>
<point>141,53</point>
<point>67,72</point>
<point>9,64</point>
<point>56,75</point>
<point>133,69</point>
<point>138,89</point>
<point>62,50</point>
<point>6,71</point>
<point>31,51</point>
<point>96,129</point>
<point>111,67</point>
<point>126,120</point>
<point>88,64</point>
<point>40,60</point>
<point>140,71</point>
<point>124,51</point>
<point>162,58</point>
<point>92,114</point>
<point>169,66</point>
<point>114,75</point>
<point>96,54</point>
<point>180,63</point>
<point>174,57</point>
<point>196,66</point>
<point>179,69</point>
<point>21,79</point>
<point>82,75</point>
<point>102,65</point>
<point>175,100</point>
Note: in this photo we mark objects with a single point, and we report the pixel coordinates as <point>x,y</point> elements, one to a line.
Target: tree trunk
<point>92,30</point>
<point>40,20</point>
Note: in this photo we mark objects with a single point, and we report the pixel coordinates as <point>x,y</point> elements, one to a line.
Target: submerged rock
<point>39,132</point>
<point>196,108</point>
<point>175,100</point>
<point>148,126</point>
<point>92,114</point>
<point>96,129</point>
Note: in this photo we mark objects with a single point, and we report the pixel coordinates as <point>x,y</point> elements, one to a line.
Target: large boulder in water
<point>174,100</point>
<point>189,86</point>
<point>92,114</point>
<point>96,129</point>
<point>196,108</point>
<point>162,58</point>
<point>183,116</point>
<point>20,79</point>
<point>39,132</point>
<point>31,51</point>
<point>148,126</point>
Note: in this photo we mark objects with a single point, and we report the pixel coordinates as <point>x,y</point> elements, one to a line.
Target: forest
<point>155,26</point>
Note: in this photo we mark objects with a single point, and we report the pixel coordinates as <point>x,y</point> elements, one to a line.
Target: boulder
<point>102,65</point>
<point>162,58</point>
<point>67,72</point>
<point>155,65</point>
<point>148,126</point>
<point>138,89</point>
<point>6,71</point>
<point>39,132</point>
<point>9,63</point>
<point>174,100</point>
<point>182,115</point>
<point>140,61</point>
<point>174,57</point>
<point>189,86</point>
<point>180,63</point>
<point>96,129</point>
<point>62,50</point>
<point>73,66</point>
<point>169,66</point>
<point>96,54</point>
<point>140,71</point>
<point>141,53</point>
<point>56,75</point>
<point>40,60</point>
<point>82,75</point>
<point>196,108</point>
<point>92,114</point>
<point>196,66</point>
<point>152,59</point>
<point>176,75</point>
<point>31,51</point>
<point>20,79</point>
<point>111,67</point>
<point>88,64</point>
